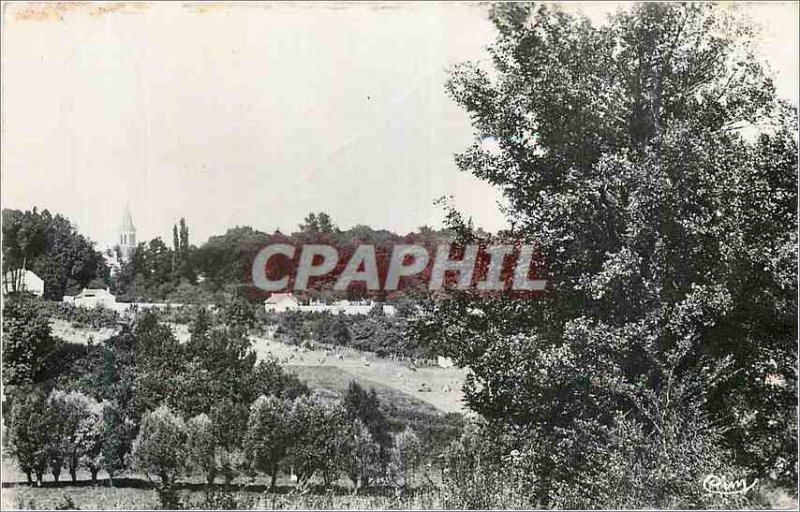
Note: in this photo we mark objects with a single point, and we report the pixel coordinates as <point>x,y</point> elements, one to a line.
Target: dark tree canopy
<point>652,164</point>
<point>51,247</point>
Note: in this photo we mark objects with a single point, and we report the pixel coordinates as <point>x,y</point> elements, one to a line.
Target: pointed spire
<point>127,220</point>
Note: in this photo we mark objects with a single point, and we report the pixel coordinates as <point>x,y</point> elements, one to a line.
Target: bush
<point>97,317</point>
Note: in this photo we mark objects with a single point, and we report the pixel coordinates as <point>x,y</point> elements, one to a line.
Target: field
<point>331,369</point>
<point>439,387</point>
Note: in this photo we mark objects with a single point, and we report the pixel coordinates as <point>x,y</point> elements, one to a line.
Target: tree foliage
<point>27,342</point>
<point>269,435</point>
<point>202,447</point>
<point>160,447</point>
<point>667,234</point>
<point>51,247</point>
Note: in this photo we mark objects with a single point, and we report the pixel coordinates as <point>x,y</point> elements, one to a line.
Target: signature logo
<point>721,485</point>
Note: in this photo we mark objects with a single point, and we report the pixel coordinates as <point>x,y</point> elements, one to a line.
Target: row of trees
<point>158,272</point>
<point>56,431</point>
<point>215,372</point>
<point>51,247</point>
<point>375,332</point>
<point>308,438</point>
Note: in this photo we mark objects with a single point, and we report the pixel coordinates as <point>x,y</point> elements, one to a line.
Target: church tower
<point>127,235</point>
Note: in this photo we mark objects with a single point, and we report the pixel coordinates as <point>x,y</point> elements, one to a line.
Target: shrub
<point>96,317</point>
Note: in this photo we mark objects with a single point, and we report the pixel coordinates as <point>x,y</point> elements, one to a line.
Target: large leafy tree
<point>50,246</point>
<point>269,435</point>
<point>29,432</point>
<point>654,168</point>
<point>27,342</point>
<point>364,406</point>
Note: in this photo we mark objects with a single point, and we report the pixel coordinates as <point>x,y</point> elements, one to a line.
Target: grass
<point>435,427</point>
<point>133,495</point>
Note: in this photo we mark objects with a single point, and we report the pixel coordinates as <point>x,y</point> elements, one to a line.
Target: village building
<point>26,281</point>
<point>282,302</point>
<point>91,297</point>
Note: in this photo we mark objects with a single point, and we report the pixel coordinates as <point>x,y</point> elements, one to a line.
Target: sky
<point>254,114</point>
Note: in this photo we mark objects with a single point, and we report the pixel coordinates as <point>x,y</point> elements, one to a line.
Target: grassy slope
<point>435,427</point>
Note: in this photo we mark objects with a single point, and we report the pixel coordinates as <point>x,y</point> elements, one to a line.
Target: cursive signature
<point>720,485</point>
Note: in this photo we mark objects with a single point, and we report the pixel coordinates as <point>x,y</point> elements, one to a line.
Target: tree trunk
<point>39,476</point>
<point>73,467</point>
<point>29,476</point>
<point>56,473</point>
<point>94,475</point>
<point>273,479</point>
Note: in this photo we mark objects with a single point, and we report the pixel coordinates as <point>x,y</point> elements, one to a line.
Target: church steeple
<point>127,234</point>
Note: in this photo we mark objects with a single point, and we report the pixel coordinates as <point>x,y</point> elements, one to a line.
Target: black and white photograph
<point>399,255</point>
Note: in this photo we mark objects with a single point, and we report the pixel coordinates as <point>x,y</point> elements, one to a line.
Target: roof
<point>28,280</point>
<point>27,275</point>
<point>279,297</point>
<point>127,220</point>
<point>94,291</point>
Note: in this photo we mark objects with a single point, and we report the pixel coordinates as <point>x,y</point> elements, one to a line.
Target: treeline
<point>374,332</point>
<point>156,272</point>
<point>179,272</point>
<point>222,267</point>
<point>50,246</point>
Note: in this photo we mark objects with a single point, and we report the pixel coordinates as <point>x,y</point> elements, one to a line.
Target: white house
<point>91,297</point>
<point>27,281</point>
<point>280,302</point>
<point>444,362</point>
